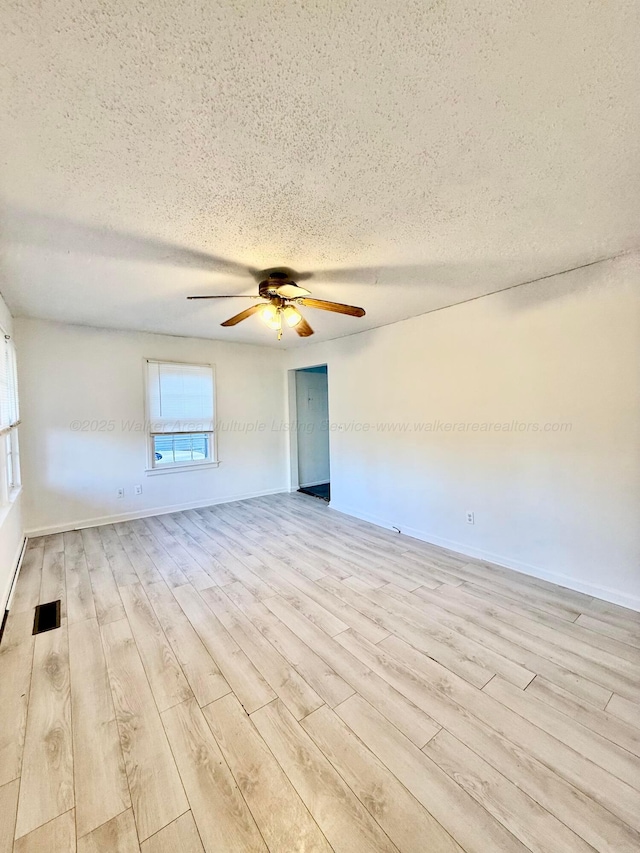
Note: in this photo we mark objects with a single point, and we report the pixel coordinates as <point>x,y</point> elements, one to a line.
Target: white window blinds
<point>179,397</point>
<point>9,409</point>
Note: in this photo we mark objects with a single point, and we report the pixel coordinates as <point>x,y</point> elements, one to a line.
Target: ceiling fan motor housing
<point>275,279</point>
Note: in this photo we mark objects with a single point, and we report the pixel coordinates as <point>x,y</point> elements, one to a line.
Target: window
<point>180,413</point>
<point>12,462</point>
<point>9,419</point>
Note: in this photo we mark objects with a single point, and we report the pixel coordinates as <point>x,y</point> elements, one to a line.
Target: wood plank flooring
<point>269,675</point>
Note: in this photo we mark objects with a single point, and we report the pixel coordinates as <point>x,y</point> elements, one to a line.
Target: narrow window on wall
<point>180,415</point>
<point>9,420</point>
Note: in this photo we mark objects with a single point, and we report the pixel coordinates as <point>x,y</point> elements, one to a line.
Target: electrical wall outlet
<point>138,489</point>
<point>471,518</point>
<point>120,493</point>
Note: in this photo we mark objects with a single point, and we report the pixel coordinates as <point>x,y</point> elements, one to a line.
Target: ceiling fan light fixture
<point>271,316</point>
<point>292,316</point>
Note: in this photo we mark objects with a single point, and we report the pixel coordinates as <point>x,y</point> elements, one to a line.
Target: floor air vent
<point>47,617</point>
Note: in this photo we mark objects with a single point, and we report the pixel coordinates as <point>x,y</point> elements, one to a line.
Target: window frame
<point>212,460</point>
<point>10,454</point>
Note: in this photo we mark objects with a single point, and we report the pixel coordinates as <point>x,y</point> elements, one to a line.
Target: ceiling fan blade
<point>238,318</point>
<point>336,307</point>
<point>291,291</point>
<point>225,296</point>
<point>303,328</point>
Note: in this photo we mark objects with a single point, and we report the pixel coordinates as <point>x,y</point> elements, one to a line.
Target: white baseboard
<point>309,485</point>
<point>15,565</point>
<point>146,513</point>
<point>603,592</point>
<point>363,516</point>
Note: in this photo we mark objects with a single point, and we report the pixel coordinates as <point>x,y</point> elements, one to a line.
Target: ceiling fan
<point>283,296</point>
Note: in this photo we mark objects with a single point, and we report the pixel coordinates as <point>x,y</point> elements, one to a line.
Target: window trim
<point>182,466</point>
<point>212,461</point>
<point>12,489</point>
<point>9,433</point>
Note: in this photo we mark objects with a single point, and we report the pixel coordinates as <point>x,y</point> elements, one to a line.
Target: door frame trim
<point>294,475</point>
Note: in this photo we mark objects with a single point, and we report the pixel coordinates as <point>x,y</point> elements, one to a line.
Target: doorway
<point>312,432</point>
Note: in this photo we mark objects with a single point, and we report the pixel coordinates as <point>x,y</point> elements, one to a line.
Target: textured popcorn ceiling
<point>418,153</point>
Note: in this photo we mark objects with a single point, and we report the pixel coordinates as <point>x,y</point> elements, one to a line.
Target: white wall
<point>560,505</point>
<point>312,417</point>
<point>73,374</point>
<point>11,527</point>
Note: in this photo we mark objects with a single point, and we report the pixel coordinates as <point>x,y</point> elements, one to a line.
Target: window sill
<point>176,469</point>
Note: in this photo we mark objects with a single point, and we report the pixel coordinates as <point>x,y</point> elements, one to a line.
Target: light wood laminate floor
<point>272,675</point>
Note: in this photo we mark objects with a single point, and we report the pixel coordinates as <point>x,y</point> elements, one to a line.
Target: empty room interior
<point>319,427</point>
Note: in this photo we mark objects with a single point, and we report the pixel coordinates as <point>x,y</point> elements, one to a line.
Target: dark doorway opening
<point>322,490</point>
<point>312,416</point>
